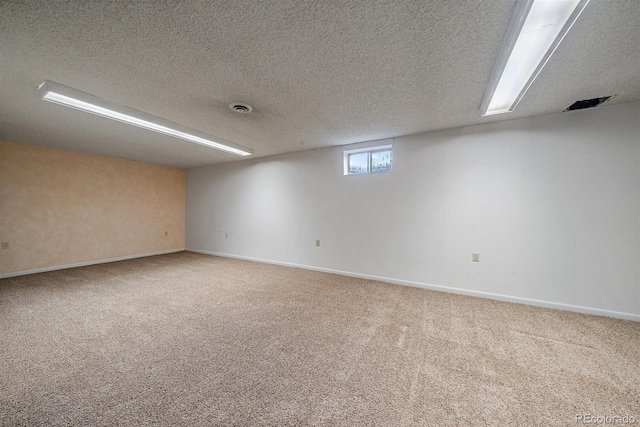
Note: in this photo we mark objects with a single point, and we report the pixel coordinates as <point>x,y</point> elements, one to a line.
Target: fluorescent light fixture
<point>59,94</point>
<point>536,29</point>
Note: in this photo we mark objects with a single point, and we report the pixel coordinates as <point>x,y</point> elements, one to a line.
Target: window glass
<point>368,160</point>
<point>358,163</point>
<point>381,161</point>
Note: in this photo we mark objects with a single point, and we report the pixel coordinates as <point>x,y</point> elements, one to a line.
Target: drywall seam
<point>488,295</point>
<point>86,263</point>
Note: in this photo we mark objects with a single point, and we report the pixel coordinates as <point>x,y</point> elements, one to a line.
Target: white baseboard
<point>508,298</point>
<point>84,264</point>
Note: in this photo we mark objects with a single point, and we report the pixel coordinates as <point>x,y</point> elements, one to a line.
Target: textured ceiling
<point>318,73</point>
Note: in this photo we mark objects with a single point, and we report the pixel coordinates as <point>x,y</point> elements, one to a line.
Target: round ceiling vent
<point>241,108</point>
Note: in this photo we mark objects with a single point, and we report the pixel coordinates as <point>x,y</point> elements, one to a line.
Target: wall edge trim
<point>86,263</point>
<point>488,295</point>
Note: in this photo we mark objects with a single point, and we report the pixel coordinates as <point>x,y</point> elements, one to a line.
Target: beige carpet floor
<point>194,340</point>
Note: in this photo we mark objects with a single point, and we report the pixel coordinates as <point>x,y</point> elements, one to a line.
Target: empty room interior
<point>320,213</point>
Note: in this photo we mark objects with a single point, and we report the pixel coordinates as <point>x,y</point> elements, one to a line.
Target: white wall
<point>551,203</point>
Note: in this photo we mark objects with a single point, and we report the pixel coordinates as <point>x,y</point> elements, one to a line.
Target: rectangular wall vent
<point>587,103</point>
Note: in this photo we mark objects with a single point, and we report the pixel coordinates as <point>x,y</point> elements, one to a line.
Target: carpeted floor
<point>194,340</point>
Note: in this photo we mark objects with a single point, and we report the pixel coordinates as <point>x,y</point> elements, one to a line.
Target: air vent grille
<point>241,108</point>
<point>587,103</point>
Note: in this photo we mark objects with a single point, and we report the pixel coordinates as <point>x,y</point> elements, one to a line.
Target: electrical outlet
<point>475,256</point>
<point>5,245</point>
<point>317,242</point>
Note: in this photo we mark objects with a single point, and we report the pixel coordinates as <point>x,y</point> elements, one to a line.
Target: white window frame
<point>370,150</point>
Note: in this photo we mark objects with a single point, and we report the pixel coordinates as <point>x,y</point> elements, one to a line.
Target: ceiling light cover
<point>63,95</point>
<point>536,29</point>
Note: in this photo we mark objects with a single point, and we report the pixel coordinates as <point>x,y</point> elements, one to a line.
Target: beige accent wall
<point>61,207</point>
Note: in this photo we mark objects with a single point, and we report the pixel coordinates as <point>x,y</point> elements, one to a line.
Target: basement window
<point>368,160</point>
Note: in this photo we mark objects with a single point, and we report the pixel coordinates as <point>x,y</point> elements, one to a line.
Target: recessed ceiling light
<point>241,108</point>
<point>536,29</point>
<point>59,94</point>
